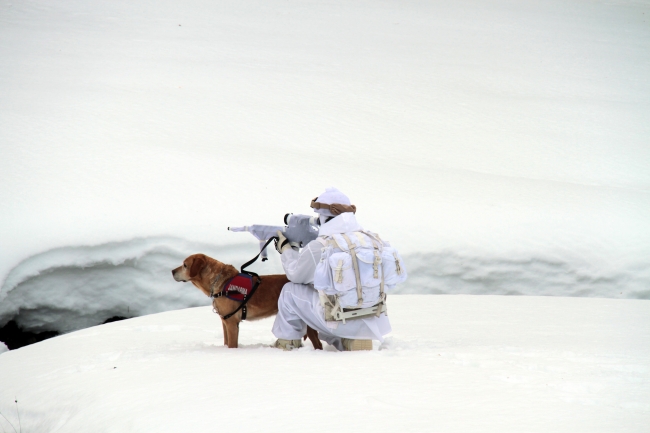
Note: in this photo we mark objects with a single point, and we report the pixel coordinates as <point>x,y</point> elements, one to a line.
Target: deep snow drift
<point>453,364</point>
<point>66,289</point>
<point>72,288</point>
<point>502,147</point>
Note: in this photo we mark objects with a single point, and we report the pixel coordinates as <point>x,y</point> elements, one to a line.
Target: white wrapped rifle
<point>299,229</point>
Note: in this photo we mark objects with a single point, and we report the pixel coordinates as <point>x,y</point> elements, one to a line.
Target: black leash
<point>254,259</point>
<point>256,282</point>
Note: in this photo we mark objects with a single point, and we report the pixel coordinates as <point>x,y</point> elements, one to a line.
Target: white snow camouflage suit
<point>299,304</point>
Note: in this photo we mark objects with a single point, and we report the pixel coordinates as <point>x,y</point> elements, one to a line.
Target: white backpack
<point>354,271</point>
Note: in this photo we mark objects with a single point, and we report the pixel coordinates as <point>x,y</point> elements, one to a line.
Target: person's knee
<point>285,294</point>
<point>286,301</point>
<point>291,290</point>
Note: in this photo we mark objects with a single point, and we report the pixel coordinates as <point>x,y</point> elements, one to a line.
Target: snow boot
<point>353,345</point>
<point>283,344</point>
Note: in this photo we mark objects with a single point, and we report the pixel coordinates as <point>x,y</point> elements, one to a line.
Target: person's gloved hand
<point>283,243</point>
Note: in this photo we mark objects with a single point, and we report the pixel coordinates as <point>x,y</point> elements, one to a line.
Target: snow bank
<point>452,364</point>
<point>70,288</point>
<point>450,272</point>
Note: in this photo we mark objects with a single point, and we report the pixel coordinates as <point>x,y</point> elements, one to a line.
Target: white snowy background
<point>502,146</point>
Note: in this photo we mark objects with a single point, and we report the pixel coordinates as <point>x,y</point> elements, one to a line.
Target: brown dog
<point>205,272</point>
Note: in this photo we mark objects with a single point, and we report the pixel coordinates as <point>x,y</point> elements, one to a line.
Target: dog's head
<point>191,267</point>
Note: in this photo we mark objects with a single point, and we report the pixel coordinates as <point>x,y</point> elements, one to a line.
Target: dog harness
<point>240,287</point>
<point>237,288</point>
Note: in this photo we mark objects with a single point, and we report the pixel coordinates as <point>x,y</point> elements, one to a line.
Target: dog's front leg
<point>232,330</point>
<point>225,332</point>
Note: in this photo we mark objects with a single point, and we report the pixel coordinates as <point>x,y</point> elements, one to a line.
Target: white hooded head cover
<point>331,196</point>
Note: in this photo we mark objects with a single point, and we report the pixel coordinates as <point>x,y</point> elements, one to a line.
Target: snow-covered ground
<point>452,364</point>
<point>501,146</point>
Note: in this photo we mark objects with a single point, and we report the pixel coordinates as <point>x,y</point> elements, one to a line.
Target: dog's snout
<point>177,274</point>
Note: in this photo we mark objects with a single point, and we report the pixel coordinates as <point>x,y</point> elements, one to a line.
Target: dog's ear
<point>197,266</point>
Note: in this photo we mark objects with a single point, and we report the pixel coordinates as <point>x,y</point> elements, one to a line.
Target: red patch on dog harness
<point>239,287</point>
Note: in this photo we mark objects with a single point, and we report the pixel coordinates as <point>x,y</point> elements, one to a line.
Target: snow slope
<point>502,146</point>
<point>453,364</point>
<point>66,289</point>
<point>71,288</point>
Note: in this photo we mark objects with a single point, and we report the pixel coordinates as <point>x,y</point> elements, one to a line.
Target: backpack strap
<point>355,265</point>
<point>374,236</point>
<point>331,306</point>
<point>398,267</point>
<point>362,241</point>
<point>382,294</point>
<point>377,245</point>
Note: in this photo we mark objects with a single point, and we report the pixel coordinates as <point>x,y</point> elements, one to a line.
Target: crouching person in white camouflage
<point>337,282</point>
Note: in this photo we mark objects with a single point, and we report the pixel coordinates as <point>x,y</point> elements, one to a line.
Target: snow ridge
<point>70,288</point>
<point>448,272</point>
